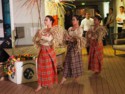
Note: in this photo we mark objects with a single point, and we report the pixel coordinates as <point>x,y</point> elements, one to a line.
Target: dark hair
<point>107,14</point>
<point>97,11</point>
<point>98,17</point>
<point>122,7</point>
<point>77,18</point>
<point>51,18</point>
<point>111,9</point>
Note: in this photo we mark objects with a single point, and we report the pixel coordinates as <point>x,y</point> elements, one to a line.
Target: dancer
<point>94,38</point>
<point>73,61</point>
<point>47,71</point>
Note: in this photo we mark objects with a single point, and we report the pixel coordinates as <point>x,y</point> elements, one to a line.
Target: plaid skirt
<point>95,56</point>
<point>73,65</point>
<point>47,71</point>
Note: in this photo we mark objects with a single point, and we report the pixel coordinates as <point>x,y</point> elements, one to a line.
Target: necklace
<point>48,29</point>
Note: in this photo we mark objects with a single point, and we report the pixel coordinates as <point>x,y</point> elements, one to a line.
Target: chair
<point>118,44</point>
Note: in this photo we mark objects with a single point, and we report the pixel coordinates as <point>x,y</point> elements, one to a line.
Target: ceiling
<point>93,0</point>
<point>88,0</point>
<point>78,3</point>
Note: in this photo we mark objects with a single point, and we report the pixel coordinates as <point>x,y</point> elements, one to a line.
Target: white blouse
<point>77,32</point>
<point>46,38</point>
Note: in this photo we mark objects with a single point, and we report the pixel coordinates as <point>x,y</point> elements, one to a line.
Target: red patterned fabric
<point>47,71</point>
<point>95,55</point>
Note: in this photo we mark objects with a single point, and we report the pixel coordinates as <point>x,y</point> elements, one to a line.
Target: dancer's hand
<point>68,38</point>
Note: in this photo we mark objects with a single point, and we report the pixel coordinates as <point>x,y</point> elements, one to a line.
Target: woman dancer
<point>47,71</point>
<point>73,61</point>
<point>94,38</point>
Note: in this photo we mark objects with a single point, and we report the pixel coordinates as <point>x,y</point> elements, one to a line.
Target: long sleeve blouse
<point>46,38</point>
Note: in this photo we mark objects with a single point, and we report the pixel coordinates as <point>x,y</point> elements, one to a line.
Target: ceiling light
<point>82,3</point>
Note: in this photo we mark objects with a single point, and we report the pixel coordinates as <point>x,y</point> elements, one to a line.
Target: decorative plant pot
<point>25,71</point>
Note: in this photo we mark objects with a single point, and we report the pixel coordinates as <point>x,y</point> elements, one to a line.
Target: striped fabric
<point>47,71</point>
<point>95,55</point>
<point>73,62</point>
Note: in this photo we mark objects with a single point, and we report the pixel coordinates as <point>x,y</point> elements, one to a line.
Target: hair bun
<point>98,17</point>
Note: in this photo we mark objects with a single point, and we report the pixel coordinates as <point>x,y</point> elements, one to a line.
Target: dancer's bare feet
<point>63,80</point>
<point>75,79</point>
<point>1,78</point>
<point>50,87</point>
<point>38,88</point>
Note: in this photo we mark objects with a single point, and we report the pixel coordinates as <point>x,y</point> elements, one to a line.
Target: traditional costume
<point>73,62</point>
<point>94,39</point>
<point>47,67</point>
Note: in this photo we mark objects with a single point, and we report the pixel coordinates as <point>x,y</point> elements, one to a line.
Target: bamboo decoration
<point>60,6</point>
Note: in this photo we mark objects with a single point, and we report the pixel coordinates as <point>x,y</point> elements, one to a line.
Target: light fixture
<point>82,3</point>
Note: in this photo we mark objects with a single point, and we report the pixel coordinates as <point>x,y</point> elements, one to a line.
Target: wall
<point>27,18</point>
<point>1,17</point>
<point>106,8</point>
<point>1,24</point>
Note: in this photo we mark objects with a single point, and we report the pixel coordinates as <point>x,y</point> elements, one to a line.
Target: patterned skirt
<point>47,71</point>
<point>73,65</point>
<point>95,56</point>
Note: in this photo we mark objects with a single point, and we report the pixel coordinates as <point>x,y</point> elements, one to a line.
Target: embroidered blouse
<point>98,33</point>
<point>76,36</point>
<point>46,38</point>
<point>77,32</point>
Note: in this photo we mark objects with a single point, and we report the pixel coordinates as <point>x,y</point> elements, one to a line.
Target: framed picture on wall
<point>91,11</point>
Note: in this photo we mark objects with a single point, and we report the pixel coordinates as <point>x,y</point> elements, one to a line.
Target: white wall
<point>22,14</point>
<point>106,8</point>
<point>1,17</point>
<point>27,18</point>
<point>1,24</point>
